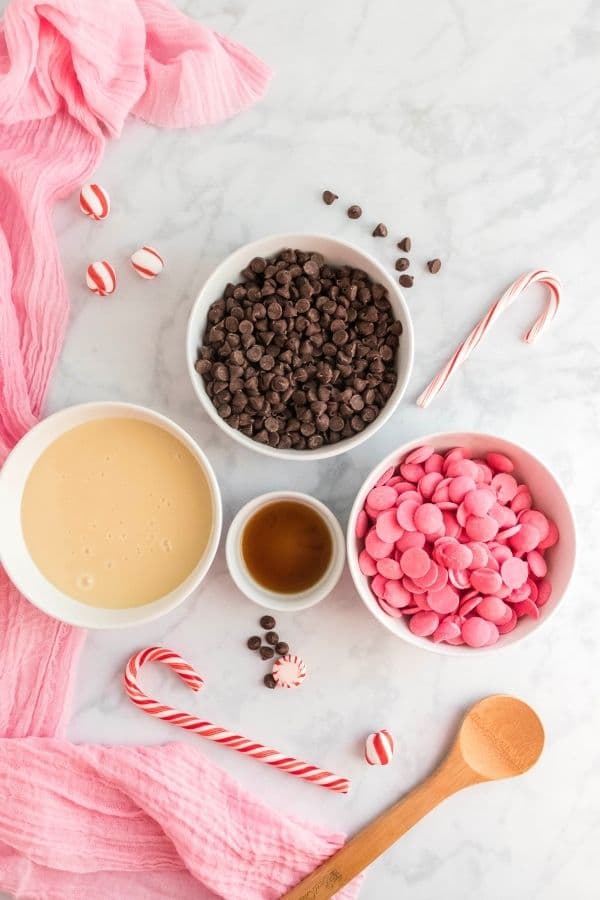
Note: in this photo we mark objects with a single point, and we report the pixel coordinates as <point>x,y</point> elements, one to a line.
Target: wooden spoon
<point>499,737</point>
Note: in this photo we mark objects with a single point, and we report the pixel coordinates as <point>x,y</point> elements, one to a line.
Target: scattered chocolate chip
<point>434,266</point>
<point>268,622</point>
<point>406,280</point>
<point>282,648</point>
<point>271,637</point>
<point>269,681</point>
<point>354,212</point>
<point>329,197</point>
<point>380,230</point>
<point>266,653</point>
<point>402,263</point>
<point>405,244</point>
<point>254,642</point>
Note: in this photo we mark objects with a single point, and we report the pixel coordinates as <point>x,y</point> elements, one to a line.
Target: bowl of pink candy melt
<point>461,542</point>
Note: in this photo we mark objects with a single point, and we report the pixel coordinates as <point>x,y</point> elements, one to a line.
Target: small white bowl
<point>14,554</point>
<point>255,591</point>
<point>338,253</point>
<point>548,496</point>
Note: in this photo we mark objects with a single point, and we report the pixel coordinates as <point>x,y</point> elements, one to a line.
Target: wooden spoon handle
<point>361,850</point>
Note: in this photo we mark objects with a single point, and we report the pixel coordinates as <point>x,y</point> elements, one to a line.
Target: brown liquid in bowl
<point>286,546</point>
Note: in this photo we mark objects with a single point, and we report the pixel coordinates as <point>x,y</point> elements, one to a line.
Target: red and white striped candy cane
<point>213,732</point>
<point>472,340</point>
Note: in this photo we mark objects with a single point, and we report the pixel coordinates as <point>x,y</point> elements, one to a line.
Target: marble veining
<point>474,128</point>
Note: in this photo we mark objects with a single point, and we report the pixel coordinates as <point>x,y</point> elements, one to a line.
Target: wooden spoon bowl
<point>499,737</point>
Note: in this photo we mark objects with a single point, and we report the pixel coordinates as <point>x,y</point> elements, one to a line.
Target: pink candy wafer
<point>472,340</point>
<point>420,455</point>
<point>205,729</point>
<point>415,562</point>
<point>424,623</point>
<point>382,497</point>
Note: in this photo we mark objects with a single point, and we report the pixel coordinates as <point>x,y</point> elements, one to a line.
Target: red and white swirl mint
<point>147,262</point>
<point>94,201</point>
<point>289,671</point>
<point>379,748</point>
<point>100,278</point>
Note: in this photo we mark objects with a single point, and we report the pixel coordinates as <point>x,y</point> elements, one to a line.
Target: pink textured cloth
<point>89,821</point>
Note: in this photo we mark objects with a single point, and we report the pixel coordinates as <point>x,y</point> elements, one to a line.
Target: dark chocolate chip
<point>254,642</point>
<point>354,212</point>
<point>203,366</point>
<point>405,244</point>
<point>269,681</point>
<point>406,280</point>
<point>434,266</point>
<point>380,230</point>
<point>267,622</point>
<point>402,263</point>
<point>266,653</point>
<point>282,648</point>
<point>329,197</point>
<point>271,637</point>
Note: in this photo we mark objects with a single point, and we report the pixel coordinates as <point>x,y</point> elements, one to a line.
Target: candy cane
<point>213,732</point>
<point>472,340</point>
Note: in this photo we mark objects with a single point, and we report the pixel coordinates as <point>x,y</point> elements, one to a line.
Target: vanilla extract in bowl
<point>286,546</point>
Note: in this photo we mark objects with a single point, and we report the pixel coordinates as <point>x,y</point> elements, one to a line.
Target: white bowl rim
<point>287,239</point>
<point>80,614</point>
<point>357,576</point>
<point>269,599</point>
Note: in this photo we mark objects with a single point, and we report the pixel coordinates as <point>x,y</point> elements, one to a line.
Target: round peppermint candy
<point>289,671</point>
<point>100,278</point>
<point>147,262</point>
<point>94,201</point>
<point>379,748</point>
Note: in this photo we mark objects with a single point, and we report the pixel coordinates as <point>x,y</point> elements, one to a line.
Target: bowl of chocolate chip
<point>300,346</point>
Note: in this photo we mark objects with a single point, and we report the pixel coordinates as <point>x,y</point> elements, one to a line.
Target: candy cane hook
<point>189,676</point>
<point>472,340</point>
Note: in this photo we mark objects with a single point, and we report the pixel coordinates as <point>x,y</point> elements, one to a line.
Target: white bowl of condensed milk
<point>110,515</point>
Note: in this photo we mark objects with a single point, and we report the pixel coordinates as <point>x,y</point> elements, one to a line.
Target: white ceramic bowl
<point>13,551</point>
<point>255,591</point>
<point>548,496</point>
<point>338,253</point>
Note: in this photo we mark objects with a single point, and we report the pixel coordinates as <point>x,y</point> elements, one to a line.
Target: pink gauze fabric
<point>91,821</point>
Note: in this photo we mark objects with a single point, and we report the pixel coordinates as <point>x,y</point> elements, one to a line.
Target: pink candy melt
<point>453,545</point>
<point>387,528</point>
<point>382,497</point>
<point>415,562</point>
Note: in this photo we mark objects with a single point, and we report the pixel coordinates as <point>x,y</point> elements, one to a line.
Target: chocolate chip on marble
<point>354,211</point>
<point>266,653</point>
<point>329,197</point>
<point>254,642</point>
<point>406,281</point>
<point>434,266</point>
<point>380,230</point>
<point>269,681</point>
<point>401,264</point>
<point>271,637</point>
<point>405,244</point>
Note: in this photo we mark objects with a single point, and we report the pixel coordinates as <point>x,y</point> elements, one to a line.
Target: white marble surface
<point>474,128</point>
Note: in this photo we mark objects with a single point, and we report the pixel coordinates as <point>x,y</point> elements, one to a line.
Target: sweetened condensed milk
<point>117,512</point>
